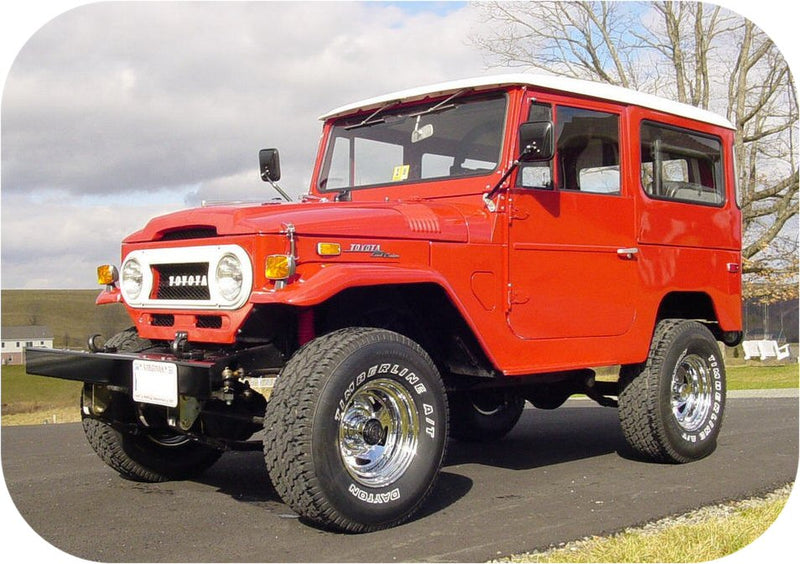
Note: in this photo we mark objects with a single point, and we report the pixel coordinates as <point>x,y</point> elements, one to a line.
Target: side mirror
<point>536,141</point>
<point>269,165</point>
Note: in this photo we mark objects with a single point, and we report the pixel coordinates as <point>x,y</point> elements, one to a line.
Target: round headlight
<point>132,279</point>
<point>229,277</point>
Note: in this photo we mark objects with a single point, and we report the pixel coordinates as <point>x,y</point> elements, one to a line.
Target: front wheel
<point>356,429</point>
<point>671,407</point>
<point>147,456</point>
<point>155,457</point>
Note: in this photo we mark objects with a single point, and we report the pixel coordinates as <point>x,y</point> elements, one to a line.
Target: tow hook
<point>178,345</point>
<point>96,343</point>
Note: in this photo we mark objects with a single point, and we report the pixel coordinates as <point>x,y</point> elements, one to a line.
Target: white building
<point>16,339</point>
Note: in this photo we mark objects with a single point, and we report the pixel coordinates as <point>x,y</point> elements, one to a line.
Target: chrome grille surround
<point>193,278</point>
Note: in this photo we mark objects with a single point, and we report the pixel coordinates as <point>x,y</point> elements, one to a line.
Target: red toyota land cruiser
<point>462,249</point>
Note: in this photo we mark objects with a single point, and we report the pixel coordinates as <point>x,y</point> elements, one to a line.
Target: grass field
<point>763,377</point>
<point>32,400</point>
<point>71,315</point>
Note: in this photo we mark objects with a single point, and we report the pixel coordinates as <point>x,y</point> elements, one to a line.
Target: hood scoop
<point>200,232</point>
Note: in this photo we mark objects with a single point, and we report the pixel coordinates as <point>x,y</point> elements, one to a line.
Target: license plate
<point>155,382</point>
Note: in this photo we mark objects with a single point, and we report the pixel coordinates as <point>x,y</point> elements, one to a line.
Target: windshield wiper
<point>369,119</point>
<point>441,106</point>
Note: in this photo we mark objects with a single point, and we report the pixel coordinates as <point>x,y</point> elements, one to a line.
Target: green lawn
<point>763,377</point>
<point>24,393</point>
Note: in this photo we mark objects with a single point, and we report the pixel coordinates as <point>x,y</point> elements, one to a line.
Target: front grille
<point>209,322</point>
<point>187,281</point>
<point>162,320</point>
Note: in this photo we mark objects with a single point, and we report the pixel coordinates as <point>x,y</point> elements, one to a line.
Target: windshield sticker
<point>400,173</point>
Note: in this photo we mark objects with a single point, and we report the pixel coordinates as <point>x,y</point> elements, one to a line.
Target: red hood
<point>428,221</point>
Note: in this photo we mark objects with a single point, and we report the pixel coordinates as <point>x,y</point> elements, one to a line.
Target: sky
<point>113,113</point>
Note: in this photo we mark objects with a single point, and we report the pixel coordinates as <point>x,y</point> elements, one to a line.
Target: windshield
<point>454,137</point>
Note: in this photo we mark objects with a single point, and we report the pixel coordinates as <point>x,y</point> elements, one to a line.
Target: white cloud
<point>151,98</point>
<point>141,96</point>
<point>52,240</point>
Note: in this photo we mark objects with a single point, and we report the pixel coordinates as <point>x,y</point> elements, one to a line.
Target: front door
<point>572,245</point>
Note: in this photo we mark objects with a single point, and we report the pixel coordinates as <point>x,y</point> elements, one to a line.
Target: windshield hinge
<point>490,205</point>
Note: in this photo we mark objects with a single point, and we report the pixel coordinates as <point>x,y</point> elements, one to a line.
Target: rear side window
<point>681,165</point>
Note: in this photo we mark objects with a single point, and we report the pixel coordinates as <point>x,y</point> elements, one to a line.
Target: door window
<point>587,151</point>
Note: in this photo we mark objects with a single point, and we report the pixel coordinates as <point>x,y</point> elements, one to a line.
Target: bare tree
<point>696,53</point>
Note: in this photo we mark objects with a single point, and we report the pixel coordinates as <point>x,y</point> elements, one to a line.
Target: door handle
<point>627,253</point>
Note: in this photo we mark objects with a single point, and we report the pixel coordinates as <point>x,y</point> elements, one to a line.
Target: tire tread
<point>287,443</point>
<point>639,396</point>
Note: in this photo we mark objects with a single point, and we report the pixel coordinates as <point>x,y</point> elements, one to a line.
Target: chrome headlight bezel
<point>229,277</point>
<point>131,279</point>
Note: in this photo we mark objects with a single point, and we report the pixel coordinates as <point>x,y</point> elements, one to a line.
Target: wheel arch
<point>422,311</point>
<point>697,306</point>
<point>421,290</point>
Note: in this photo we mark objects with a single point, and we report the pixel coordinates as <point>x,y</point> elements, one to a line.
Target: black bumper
<point>196,378</point>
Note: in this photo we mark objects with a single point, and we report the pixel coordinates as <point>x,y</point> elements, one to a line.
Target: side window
<point>587,150</point>
<point>681,165</point>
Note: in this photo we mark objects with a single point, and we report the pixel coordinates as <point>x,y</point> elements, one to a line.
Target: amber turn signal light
<point>329,249</point>
<point>279,267</point>
<point>107,274</point>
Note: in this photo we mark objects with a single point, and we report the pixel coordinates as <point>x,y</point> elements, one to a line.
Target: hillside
<point>70,314</point>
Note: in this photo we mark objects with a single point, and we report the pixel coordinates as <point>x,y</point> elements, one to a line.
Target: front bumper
<point>196,378</point>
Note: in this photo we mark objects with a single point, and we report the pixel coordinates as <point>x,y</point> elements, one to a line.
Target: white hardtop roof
<point>598,90</point>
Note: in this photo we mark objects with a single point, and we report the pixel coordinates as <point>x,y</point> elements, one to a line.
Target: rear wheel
<point>671,407</point>
<point>356,430</point>
<point>484,415</point>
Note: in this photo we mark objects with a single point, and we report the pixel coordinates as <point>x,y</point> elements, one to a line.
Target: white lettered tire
<point>671,407</point>
<point>356,429</point>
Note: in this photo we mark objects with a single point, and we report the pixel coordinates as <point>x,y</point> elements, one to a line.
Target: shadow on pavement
<point>545,438</point>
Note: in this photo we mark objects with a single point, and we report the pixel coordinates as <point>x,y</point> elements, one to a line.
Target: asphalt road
<point>560,475</point>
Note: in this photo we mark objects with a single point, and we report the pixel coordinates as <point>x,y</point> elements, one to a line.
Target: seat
<point>751,350</point>
<point>765,349</point>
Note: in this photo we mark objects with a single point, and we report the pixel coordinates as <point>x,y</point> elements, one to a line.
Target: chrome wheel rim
<point>378,433</point>
<point>692,392</point>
